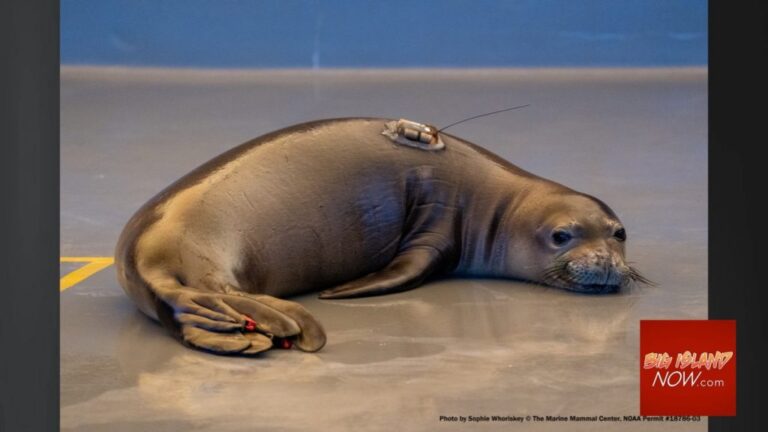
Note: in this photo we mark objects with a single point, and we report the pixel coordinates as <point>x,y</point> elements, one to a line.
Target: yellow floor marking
<point>94,265</point>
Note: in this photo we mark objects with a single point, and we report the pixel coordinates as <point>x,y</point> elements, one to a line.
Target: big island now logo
<point>688,367</point>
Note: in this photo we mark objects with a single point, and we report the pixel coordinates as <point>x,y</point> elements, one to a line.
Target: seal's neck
<point>487,232</point>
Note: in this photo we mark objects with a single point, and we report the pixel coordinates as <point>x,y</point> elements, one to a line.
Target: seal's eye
<point>620,234</point>
<point>560,237</point>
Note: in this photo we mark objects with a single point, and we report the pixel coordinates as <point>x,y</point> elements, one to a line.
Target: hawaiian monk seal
<point>343,206</point>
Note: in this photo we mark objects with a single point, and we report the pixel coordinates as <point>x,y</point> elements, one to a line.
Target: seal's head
<point>575,242</point>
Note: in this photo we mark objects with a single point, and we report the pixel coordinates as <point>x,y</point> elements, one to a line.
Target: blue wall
<point>355,33</point>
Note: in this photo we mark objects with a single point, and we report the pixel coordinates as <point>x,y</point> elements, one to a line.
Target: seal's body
<point>336,205</point>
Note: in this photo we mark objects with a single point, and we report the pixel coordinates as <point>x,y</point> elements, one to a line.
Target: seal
<point>342,206</point>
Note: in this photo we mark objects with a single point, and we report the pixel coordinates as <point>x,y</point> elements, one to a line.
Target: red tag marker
<point>250,325</point>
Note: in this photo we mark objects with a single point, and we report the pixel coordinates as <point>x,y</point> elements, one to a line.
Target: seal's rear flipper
<point>226,343</point>
<point>235,323</point>
<point>406,271</point>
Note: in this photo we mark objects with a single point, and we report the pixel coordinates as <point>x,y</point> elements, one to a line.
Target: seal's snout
<point>596,270</point>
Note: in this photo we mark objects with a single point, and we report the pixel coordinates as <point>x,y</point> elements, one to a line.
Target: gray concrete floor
<point>635,138</point>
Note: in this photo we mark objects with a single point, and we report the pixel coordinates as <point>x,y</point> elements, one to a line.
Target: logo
<point>688,367</point>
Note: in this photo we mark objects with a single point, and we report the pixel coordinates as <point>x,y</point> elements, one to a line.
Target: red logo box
<point>688,367</point>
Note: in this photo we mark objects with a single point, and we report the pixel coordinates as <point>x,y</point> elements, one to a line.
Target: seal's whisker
<point>555,272</point>
<point>635,276</point>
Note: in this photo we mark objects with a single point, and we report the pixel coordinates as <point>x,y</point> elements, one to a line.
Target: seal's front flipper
<point>407,271</point>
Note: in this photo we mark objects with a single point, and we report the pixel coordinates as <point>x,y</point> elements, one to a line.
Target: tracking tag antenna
<point>482,115</point>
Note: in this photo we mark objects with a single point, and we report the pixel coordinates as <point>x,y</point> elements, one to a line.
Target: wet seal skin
<point>340,207</point>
